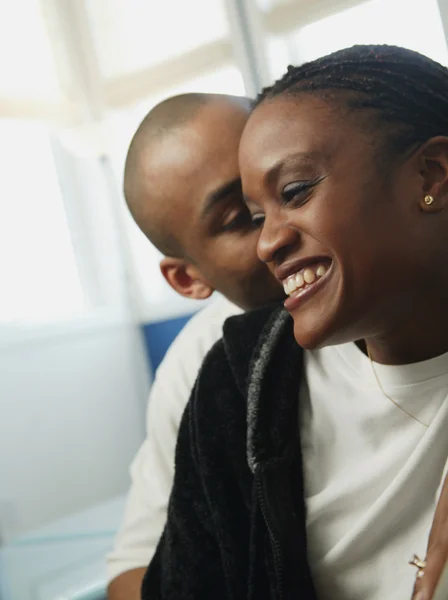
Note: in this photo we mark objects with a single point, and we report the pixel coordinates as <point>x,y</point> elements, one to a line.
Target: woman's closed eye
<point>297,192</point>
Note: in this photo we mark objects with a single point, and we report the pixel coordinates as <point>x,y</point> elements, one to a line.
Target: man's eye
<point>257,219</point>
<point>236,221</point>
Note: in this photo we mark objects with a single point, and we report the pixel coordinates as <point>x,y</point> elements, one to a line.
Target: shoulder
<point>227,365</point>
<point>218,407</point>
<point>175,377</point>
<point>190,346</point>
<point>201,331</point>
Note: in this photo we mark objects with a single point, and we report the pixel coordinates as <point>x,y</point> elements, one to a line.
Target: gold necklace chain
<point>387,396</point>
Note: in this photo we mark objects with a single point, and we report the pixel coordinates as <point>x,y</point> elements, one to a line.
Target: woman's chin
<point>309,342</point>
<point>315,314</point>
<point>314,331</point>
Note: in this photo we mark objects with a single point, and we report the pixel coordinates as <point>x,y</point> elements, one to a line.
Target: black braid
<point>403,86</point>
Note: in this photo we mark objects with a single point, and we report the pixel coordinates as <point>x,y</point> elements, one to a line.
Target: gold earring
<point>420,564</point>
<point>429,200</point>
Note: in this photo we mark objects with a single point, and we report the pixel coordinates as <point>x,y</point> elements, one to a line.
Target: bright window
<point>377,22</point>
<point>26,62</point>
<point>414,25</point>
<point>131,35</point>
<point>38,273</point>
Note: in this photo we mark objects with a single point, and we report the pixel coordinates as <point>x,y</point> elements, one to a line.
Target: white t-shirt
<point>372,473</point>
<point>152,470</point>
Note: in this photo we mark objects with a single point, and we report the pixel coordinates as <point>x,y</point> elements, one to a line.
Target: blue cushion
<point>159,336</point>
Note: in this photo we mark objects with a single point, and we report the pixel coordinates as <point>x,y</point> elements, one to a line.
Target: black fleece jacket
<point>236,518</point>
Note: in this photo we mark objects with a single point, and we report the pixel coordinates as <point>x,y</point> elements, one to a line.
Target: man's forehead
<point>173,150</point>
<point>188,154</point>
<point>214,129</point>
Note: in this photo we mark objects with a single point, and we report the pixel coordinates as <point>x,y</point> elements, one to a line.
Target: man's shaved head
<point>142,186</point>
<point>183,187</point>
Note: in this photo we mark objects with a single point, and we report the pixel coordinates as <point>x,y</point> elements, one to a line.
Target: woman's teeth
<point>304,278</point>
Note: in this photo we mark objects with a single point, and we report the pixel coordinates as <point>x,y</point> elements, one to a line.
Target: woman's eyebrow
<point>292,160</point>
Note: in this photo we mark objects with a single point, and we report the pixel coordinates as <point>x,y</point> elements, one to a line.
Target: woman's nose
<point>276,235</point>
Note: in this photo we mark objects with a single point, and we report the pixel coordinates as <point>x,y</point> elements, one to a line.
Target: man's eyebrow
<point>219,195</point>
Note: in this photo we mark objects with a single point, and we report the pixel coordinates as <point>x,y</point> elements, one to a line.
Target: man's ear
<point>185,278</point>
<point>434,172</point>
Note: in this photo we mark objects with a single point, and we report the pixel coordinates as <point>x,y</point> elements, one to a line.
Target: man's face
<point>194,175</point>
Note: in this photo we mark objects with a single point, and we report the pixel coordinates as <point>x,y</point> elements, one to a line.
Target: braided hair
<point>403,87</point>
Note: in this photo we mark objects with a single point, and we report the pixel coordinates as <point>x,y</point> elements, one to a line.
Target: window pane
<point>26,63</point>
<point>154,292</point>
<point>38,273</point>
<point>133,34</point>
<point>372,22</point>
<point>267,5</point>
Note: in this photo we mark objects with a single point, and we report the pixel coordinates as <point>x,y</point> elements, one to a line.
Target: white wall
<point>72,406</point>
<point>443,8</point>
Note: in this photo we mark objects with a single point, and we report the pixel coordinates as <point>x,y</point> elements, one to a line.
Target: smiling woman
<point>353,147</point>
<point>311,457</point>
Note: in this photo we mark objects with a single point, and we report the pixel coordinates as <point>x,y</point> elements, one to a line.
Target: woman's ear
<point>434,172</point>
<point>185,278</point>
